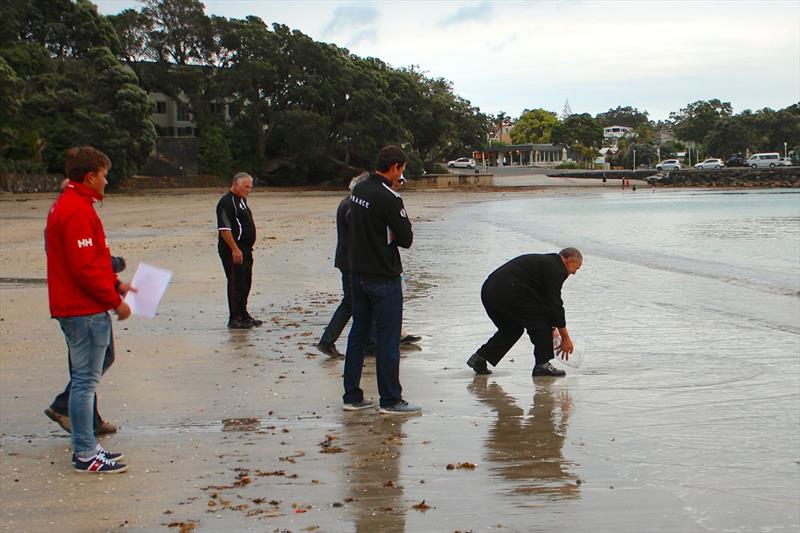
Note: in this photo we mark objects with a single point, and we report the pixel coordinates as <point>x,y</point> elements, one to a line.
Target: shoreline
<point>243,430</point>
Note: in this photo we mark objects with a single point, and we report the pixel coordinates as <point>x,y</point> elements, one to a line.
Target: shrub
<point>568,165</point>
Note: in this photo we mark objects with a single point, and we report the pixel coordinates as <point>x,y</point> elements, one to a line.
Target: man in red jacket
<point>82,288</point>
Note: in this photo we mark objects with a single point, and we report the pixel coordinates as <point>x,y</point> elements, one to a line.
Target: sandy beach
<point>243,430</point>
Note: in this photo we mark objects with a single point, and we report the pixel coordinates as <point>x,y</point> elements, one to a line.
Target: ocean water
<point>685,414</point>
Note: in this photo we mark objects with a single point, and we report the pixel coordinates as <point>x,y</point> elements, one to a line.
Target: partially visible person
<point>344,311</point>
<point>82,289</point>
<point>378,225</point>
<point>525,294</point>
<point>340,318</point>
<point>237,236</point>
<point>58,411</point>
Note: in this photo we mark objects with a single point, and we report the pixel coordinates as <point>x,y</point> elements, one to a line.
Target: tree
<point>534,126</point>
<point>581,128</point>
<point>693,122</point>
<point>72,90</point>
<point>623,116</point>
<point>215,152</point>
<point>731,135</point>
<point>180,30</point>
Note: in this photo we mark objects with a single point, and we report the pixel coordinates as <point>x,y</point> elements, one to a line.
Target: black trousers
<point>61,402</point>
<point>240,278</point>
<point>513,311</point>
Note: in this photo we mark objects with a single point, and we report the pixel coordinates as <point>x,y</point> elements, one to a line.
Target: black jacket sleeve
<point>398,222</point>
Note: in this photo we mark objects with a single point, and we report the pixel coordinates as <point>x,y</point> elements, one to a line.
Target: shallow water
<point>688,400</point>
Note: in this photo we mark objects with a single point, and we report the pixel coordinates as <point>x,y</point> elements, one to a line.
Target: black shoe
<point>547,369</point>
<point>239,324</point>
<point>254,322</point>
<point>59,418</point>
<point>478,364</point>
<point>410,339</point>
<point>329,350</point>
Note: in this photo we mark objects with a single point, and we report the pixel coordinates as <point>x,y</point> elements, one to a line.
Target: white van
<point>769,159</point>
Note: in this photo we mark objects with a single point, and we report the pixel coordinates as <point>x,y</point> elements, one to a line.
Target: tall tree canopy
<point>534,126</point>
<point>69,89</point>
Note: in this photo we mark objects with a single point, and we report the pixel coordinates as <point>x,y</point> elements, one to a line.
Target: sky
<point>508,56</point>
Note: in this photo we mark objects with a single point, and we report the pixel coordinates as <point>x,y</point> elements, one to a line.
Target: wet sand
<point>243,430</point>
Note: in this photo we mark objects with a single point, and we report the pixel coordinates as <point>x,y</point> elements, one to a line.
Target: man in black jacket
<point>237,235</point>
<point>341,261</point>
<point>525,294</point>
<point>378,225</point>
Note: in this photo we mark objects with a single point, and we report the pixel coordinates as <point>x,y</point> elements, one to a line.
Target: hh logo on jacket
<point>83,243</point>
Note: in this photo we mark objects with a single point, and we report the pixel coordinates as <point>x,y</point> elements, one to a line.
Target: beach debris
<point>461,466</point>
<point>337,504</point>
<point>395,439</point>
<point>579,481</point>
<point>291,458</point>
<point>185,527</point>
<point>421,506</point>
<point>241,424</point>
<point>260,473</point>
<point>242,479</point>
<point>328,447</point>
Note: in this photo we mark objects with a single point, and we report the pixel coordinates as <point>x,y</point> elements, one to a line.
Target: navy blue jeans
<point>87,338</point>
<point>381,301</point>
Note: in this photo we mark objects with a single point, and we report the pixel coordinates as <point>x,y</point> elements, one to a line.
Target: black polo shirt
<point>234,215</point>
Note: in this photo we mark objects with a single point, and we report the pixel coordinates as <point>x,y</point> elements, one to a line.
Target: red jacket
<point>79,276</point>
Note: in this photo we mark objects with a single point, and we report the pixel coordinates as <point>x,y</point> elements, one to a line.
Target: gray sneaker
<point>363,404</point>
<point>401,408</point>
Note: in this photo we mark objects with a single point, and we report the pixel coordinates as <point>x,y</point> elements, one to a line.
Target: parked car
<point>711,162</point>
<point>736,160</point>
<point>669,164</point>
<point>462,162</point>
<point>787,162</point>
<point>767,159</point>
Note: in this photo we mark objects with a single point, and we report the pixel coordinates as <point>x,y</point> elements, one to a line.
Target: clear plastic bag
<point>575,358</point>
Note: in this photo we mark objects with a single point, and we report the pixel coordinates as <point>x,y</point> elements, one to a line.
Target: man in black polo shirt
<point>237,235</point>
<point>378,224</point>
<point>525,293</point>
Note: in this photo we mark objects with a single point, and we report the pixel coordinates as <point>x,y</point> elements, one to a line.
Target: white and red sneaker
<point>99,464</point>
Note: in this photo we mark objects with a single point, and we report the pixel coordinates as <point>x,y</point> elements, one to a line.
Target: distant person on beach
<point>378,225</point>
<point>82,288</point>
<point>343,313</point>
<point>237,235</point>
<point>525,294</point>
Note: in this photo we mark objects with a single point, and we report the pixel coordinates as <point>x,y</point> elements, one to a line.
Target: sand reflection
<point>526,449</point>
<point>374,445</point>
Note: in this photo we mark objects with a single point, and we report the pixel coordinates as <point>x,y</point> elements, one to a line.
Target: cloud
<point>467,13</point>
<point>353,23</point>
<point>368,35</point>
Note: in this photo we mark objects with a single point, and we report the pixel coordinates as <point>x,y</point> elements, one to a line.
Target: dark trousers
<point>513,312</point>
<point>342,314</point>
<point>240,278</point>
<point>61,403</point>
<point>381,301</point>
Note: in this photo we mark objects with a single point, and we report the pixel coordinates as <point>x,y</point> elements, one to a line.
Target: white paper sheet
<point>150,283</point>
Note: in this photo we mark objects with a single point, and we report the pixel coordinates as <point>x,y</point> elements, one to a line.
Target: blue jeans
<point>381,302</point>
<point>87,339</point>
<point>61,402</point>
